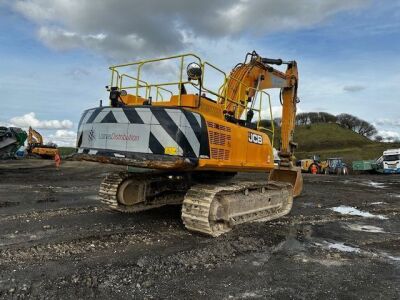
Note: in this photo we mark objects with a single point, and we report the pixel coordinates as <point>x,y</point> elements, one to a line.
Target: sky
<point>55,54</point>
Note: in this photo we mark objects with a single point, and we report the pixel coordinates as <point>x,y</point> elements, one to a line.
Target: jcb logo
<point>255,138</point>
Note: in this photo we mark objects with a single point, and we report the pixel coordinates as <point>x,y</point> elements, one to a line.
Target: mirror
<point>123,93</point>
<point>193,71</point>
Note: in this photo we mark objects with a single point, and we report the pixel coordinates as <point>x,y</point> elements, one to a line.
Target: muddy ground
<point>58,241</point>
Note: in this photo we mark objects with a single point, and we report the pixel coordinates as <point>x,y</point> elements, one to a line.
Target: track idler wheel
<point>131,191</point>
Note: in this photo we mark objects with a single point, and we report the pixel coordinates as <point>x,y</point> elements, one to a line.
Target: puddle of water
<point>374,184</point>
<point>329,262</point>
<point>342,247</point>
<point>338,246</point>
<point>366,228</point>
<point>348,210</point>
<point>349,249</point>
<point>395,258</point>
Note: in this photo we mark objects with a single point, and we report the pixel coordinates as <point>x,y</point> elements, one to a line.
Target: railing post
<point>225,92</point>
<point>272,120</point>
<point>120,82</point>
<point>180,81</point>
<point>112,77</point>
<point>138,79</point>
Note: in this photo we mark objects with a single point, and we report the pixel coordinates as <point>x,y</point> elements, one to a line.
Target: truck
<point>389,162</point>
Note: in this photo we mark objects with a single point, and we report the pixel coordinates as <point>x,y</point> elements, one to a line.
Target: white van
<point>389,162</point>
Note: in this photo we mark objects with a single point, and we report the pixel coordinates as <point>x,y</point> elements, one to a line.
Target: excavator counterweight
<point>183,142</point>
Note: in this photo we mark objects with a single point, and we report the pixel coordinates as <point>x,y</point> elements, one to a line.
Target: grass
<point>331,140</point>
<point>64,151</point>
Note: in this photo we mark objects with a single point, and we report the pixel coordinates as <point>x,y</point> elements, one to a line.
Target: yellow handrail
<point>121,87</point>
<point>221,93</point>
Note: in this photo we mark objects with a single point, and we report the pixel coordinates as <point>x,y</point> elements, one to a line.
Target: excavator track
<point>208,208</point>
<point>110,193</point>
<point>215,209</point>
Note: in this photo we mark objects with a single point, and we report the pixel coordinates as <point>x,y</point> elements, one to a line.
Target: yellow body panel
<point>231,150</point>
<point>43,151</point>
<point>305,164</point>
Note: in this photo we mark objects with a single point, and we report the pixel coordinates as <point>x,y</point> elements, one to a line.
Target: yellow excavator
<point>36,146</point>
<point>183,141</point>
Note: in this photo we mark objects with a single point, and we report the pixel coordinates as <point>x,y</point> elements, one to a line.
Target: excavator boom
<point>258,74</point>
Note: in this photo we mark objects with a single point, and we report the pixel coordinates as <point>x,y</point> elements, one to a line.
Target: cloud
<point>30,119</point>
<point>388,135</point>
<point>63,138</point>
<point>353,88</point>
<point>276,112</point>
<point>78,73</point>
<point>388,122</point>
<point>127,28</point>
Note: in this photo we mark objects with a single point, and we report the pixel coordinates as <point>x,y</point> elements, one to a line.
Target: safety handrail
<point>217,94</point>
<point>221,94</point>
<point>121,87</point>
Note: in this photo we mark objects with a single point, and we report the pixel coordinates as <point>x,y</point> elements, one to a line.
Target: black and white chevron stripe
<point>166,127</point>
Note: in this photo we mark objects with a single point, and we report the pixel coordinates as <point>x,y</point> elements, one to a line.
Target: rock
<point>141,262</point>
<point>147,284</point>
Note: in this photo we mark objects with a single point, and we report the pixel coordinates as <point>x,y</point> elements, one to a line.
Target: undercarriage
<point>212,203</point>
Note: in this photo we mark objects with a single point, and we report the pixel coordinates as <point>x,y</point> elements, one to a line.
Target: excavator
<point>185,146</point>
<point>36,146</point>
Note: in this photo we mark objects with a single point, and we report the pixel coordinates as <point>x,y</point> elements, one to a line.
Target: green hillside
<point>64,151</point>
<point>331,140</point>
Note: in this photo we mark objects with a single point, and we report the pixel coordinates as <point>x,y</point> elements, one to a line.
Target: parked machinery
<point>307,165</point>
<point>388,163</point>
<point>334,166</point>
<point>36,146</point>
<point>186,148</point>
<point>11,139</point>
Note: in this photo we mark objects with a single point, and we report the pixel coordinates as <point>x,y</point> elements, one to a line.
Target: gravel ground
<point>341,240</point>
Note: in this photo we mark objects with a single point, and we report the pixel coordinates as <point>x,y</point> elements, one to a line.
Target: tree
<point>366,129</point>
<point>302,119</point>
<point>347,121</point>
<point>265,123</point>
<point>353,123</point>
<point>325,117</point>
<point>314,117</point>
<point>378,138</point>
